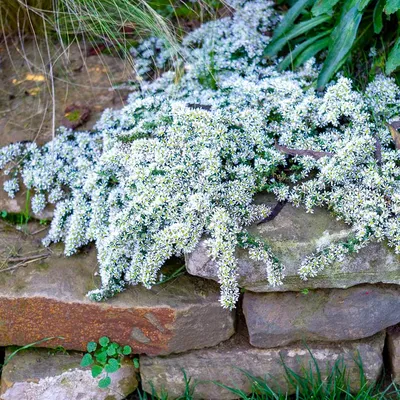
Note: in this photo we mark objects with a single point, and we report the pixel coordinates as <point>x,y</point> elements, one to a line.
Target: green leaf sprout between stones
<point>105,357</point>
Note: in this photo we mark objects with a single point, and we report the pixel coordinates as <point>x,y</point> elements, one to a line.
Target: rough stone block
<point>278,319</point>
<point>222,362</point>
<point>393,346</point>
<point>47,298</point>
<point>293,235</point>
<point>37,374</point>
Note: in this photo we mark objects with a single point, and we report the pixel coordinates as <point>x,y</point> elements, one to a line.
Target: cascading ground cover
<point>183,160</point>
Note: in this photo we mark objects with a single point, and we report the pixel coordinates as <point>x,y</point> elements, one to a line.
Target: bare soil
<point>34,92</point>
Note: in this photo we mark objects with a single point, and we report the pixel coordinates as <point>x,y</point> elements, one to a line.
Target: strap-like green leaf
<point>290,17</point>
<point>342,41</point>
<point>362,4</point>
<point>275,46</point>
<point>392,6</point>
<point>393,61</point>
<point>289,59</point>
<point>312,50</point>
<point>378,21</point>
<point>323,7</point>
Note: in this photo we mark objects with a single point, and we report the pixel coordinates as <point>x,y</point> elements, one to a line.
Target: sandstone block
<point>293,235</point>
<point>278,319</point>
<point>47,298</point>
<point>393,344</point>
<point>37,374</point>
<point>222,364</point>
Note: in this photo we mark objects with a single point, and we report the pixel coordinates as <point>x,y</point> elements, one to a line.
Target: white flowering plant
<point>183,160</point>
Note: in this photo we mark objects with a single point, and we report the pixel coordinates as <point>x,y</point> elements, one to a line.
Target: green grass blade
<point>343,38</point>
<point>274,47</point>
<point>7,360</point>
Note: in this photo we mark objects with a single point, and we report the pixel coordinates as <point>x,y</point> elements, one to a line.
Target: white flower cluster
<point>182,160</point>
<point>11,187</point>
<point>234,43</point>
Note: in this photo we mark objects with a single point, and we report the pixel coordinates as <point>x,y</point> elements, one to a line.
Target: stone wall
<point>349,311</point>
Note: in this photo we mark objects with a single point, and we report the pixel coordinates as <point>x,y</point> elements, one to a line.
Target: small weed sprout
<point>105,357</point>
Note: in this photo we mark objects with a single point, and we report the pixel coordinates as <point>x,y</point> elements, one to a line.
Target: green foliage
<point>167,277</point>
<point>341,30</point>
<point>104,357</point>
<point>14,218</point>
<point>393,61</point>
<point>105,382</point>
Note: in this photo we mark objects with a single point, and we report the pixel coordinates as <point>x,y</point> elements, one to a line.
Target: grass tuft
<point>309,383</point>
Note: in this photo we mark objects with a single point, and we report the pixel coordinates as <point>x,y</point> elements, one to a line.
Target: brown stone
<point>278,319</point>
<point>48,299</point>
<point>75,115</point>
<point>224,363</point>
<point>38,374</point>
<point>393,346</point>
<point>293,235</point>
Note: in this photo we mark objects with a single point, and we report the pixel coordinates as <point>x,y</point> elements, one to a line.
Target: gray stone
<point>38,374</point>
<point>393,346</point>
<point>47,298</point>
<point>278,319</point>
<point>222,364</point>
<point>293,235</point>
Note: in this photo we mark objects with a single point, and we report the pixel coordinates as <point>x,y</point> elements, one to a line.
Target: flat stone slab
<point>47,298</point>
<point>222,362</point>
<point>292,235</point>
<point>37,374</point>
<point>278,319</point>
<point>393,344</point>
